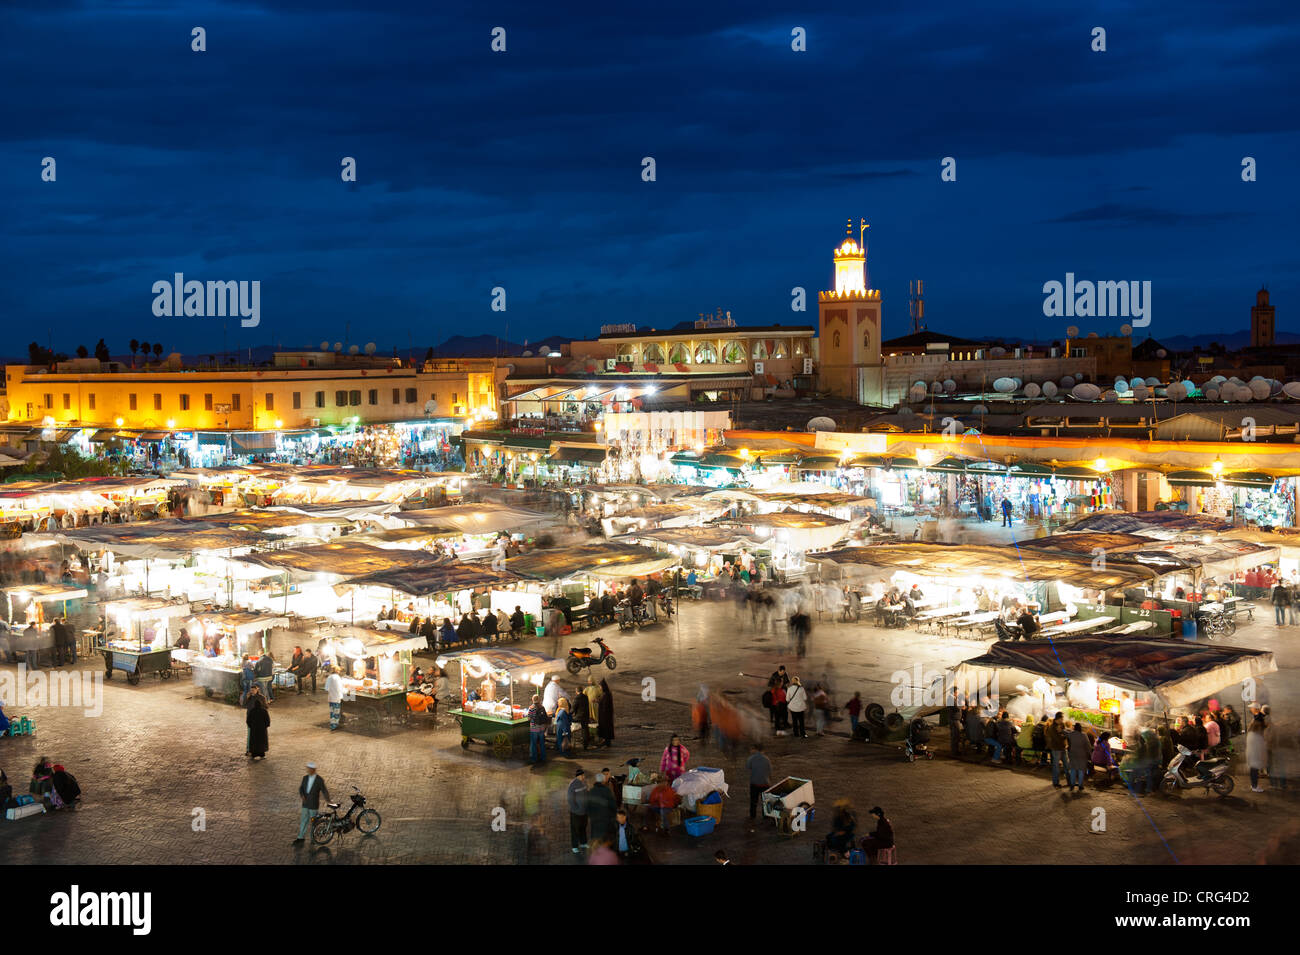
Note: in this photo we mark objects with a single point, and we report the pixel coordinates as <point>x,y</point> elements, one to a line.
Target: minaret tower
<point>848,322</point>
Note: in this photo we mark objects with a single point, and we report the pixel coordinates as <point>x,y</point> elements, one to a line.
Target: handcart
<point>789,803</point>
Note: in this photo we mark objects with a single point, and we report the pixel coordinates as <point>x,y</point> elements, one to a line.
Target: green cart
<point>500,669</point>
<point>502,733</point>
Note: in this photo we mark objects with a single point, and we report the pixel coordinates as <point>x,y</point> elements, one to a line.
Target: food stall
<point>26,604</point>
<point>221,639</point>
<point>490,710</point>
<point>376,668</point>
<point>137,637</point>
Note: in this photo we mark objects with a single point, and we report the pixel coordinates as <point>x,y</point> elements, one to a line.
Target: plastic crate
<point>700,825</point>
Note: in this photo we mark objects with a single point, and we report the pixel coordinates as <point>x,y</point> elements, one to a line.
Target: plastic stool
<point>887,856</point>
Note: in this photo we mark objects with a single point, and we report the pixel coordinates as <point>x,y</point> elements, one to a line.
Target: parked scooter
<point>580,657</point>
<point>1209,774</point>
<point>632,618</point>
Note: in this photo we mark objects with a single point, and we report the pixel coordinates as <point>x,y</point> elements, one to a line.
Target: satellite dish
<point>1004,386</point>
<point>1092,334</point>
<point>916,393</point>
<point>1072,331</point>
<point>1086,391</point>
<point>1126,329</point>
<point>997,352</point>
<point>354,349</point>
<point>526,354</point>
<point>324,346</point>
<point>905,412</point>
<point>1274,388</point>
<point>1152,382</point>
<point>979,409</point>
<point>1212,393</point>
<point>338,346</point>
<point>1140,392</point>
<point>949,385</point>
<point>1216,380</point>
<point>1032,390</point>
<point>370,348</point>
<point>1236,381</point>
<point>936,387</point>
<point>919,383</point>
<point>1049,389</point>
<point>1122,386</point>
<point>1161,353</point>
<point>1291,389</point>
<point>821,423</point>
<point>1177,391</point>
<point>1109,395</point>
<point>1067,382</point>
<point>430,406</point>
<point>1259,389</point>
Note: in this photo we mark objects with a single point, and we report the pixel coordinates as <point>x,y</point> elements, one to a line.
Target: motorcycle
<point>326,824</point>
<point>1210,774</point>
<point>580,657</point>
<point>631,618</point>
<point>666,603</point>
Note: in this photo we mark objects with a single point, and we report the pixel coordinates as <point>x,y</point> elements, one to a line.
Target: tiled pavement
<point>159,752</point>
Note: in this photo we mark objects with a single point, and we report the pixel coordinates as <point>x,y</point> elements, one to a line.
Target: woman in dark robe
<point>582,716</point>
<point>259,721</point>
<point>65,784</point>
<point>490,627</point>
<point>605,715</point>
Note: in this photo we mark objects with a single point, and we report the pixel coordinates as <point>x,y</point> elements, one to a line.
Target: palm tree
<point>101,351</point>
<point>144,347</point>
<point>83,351</point>
<point>157,349</point>
<point>135,348</point>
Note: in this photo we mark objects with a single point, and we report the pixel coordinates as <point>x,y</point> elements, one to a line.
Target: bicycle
<point>1220,624</point>
<point>326,824</point>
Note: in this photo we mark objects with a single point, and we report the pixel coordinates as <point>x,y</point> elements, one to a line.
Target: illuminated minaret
<point>849,325</point>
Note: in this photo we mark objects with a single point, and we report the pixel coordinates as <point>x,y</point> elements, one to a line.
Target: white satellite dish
<point>1072,331</point>
<point>1032,390</point>
<point>431,406</point>
<point>1086,391</point>
<point>1067,382</point>
<point>1259,389</point>
<point>1177,391</point>
<point>1236,381</point>
<point>370,348</point>
<point>1049,389</point>
<point>354,349</point>
<point>979,409</point>
<point>997,351</point>
<point>916,393</point>
<point>949,385</point>
<point>821,423</point>
<point>1141,392</point>
<point>1126,329</point>
<point>1152,382</point>
<point>338,346</point>
<point>1211,392</point>
<point>1161,353</point>
<point>936,387</point>
<point>1004,386</point>
<point>324,346</point>
<point>1291,389</point>
<point>526,354</point>
<point>1216,380</point>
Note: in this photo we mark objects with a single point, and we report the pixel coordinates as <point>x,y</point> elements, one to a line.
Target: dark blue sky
<point>522,169</point>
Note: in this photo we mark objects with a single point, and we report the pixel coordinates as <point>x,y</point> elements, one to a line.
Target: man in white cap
<point>551,696</point>
<point>310,791</point>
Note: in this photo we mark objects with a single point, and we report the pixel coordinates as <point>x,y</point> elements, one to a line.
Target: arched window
<point>627,352</point>
<point>801,348</point>
<point>837,339</point>
<point>866,339</point>
<point>706,354</point>
<point>680,354</point>
<point>733,353</point>
<point>651,352</point>
<point>759,349</point>
<point>780,349</point>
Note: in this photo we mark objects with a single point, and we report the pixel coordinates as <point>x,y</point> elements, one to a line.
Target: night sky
<point>523,169</point>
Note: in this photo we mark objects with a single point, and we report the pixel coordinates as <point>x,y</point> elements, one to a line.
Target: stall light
<point>1099,464</point>
<point>1217,467</point>
<point>278,424</point>
<point>744,453</point>
<point>117,421</point>
<point>171,423</point>
<point>924,457</point>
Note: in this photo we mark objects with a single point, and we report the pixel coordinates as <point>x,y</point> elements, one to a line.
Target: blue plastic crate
<point>699,825</point>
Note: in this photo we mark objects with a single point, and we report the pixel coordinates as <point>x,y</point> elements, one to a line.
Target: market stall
<point>223,638</point>
<point>138,636</point>
<point>496,689</point>
<point>375,667</point>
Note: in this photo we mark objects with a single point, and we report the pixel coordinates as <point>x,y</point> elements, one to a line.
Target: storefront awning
<point>586,457</point>
<point>104,435</point>
<point>1249,479</point>
<point>211,438</point>
<point>245,442</point>
<point>64,435</point>
<point>153,436</point>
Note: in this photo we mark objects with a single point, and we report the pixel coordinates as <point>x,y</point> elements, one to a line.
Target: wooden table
<point>1077,626</point>
<point>974,621</point>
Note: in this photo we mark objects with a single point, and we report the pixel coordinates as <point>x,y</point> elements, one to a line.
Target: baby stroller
<point>918,736</point>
